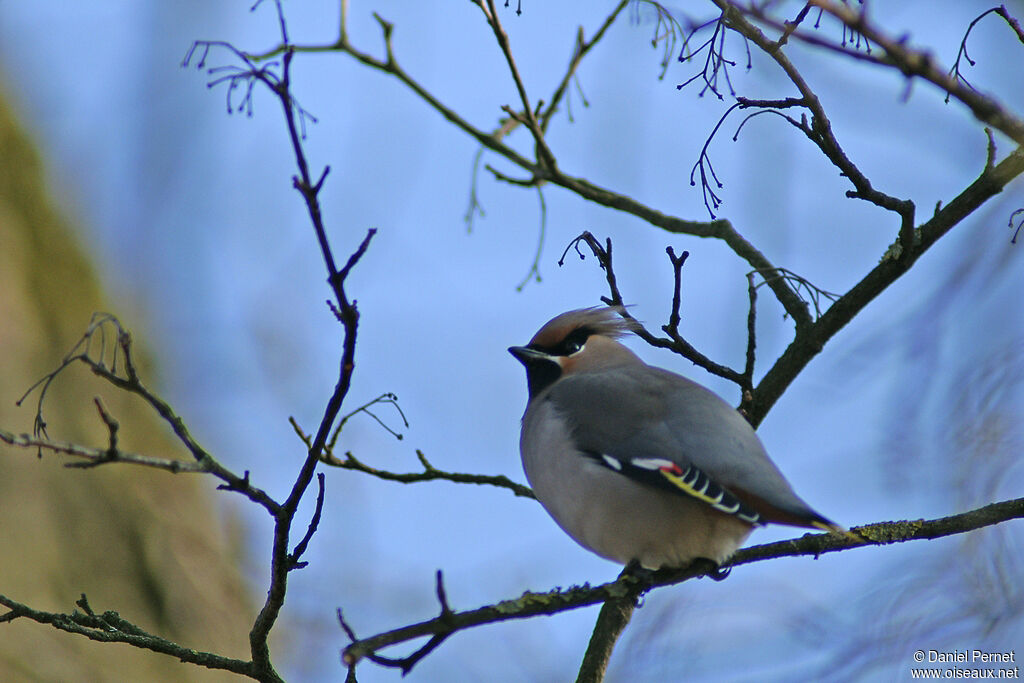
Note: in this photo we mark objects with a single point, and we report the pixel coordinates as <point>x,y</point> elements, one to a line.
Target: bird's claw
<point>712,569</point>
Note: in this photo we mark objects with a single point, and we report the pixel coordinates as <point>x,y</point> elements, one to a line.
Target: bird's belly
<point>623,520</point>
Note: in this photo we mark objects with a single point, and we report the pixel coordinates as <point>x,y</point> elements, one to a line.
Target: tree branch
<point>814,545</point>
<point>106,349</point>
<point>580,50</point>
<point>429,473</point>
<point>283,559</point>
<point>94,457</point>
<point>819,131</point>
<point>528,117</point>
<point>675,342</point>
<point>921,64</point>
<point>109,627</point>
<point>810,341</point>
<point>717,229</point>
<point>612,620</point>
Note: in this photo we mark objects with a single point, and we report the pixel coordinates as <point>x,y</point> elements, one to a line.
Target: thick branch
<point>612,620</point>
<point>811,340</point>
<point>534,604</point>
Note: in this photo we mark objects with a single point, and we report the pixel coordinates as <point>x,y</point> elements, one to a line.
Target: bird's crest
<point>602,320</point>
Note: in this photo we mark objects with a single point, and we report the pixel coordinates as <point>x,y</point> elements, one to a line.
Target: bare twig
<point>819,130</point>
<point>802,286</point>
<point>106,349</point>
<point>94,457</point>
<point>955,71</point>
<point>387,398</point>
<point>918,63</point>
<point>475,208</point>
<point>314,523</point>
<point>580,50</point>
<point>1020,224</point>
<point>668,31</point>
<point>282,560</point>
<point>429,473</point>
<point>715,64</point>
<point>711,200</point>
<point>675,342</point>
<point>748,367</point>
<point>534,272</point>
<point>677,272</point>
<point>528,116</point>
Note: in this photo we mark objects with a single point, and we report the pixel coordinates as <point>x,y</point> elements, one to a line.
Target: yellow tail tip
<point>838,530</point>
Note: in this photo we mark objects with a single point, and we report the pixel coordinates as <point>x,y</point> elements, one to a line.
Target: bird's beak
<point>541,369</point>
<point>526,355</point>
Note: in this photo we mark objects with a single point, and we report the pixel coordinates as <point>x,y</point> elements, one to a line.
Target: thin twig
<point>314,523</point>
<point>429,473</point>
<point>534,272</point>
<point>528,115</point>
<point>94,457</point>
<point>675,342</point>
<point>115,364</point>
<point>580,50</point>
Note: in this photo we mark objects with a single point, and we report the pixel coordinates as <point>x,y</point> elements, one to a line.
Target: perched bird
<point>639,464</point>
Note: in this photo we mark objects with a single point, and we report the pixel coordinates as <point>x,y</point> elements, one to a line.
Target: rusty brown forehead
<point>552,333</point>
<point>601,320</point>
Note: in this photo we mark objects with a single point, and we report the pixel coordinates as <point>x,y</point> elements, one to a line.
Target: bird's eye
<point>574,342</point>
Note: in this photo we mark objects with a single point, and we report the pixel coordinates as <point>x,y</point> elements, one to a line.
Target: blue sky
<point>207,250</point>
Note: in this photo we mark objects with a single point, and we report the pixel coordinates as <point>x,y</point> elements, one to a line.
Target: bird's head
<point>577,341</point>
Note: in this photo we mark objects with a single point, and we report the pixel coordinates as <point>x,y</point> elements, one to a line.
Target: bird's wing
<point>663,430</point>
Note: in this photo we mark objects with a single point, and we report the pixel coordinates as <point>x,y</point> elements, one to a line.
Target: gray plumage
<point>617,451</point>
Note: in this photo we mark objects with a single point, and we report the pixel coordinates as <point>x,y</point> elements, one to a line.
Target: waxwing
<point>637,463</point>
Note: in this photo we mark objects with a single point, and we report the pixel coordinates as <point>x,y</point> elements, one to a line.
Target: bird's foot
<point>638,572</point>
<point>642,579</point>
<point>711,569</point>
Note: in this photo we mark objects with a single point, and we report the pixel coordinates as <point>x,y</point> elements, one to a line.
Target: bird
<point>636,463</point>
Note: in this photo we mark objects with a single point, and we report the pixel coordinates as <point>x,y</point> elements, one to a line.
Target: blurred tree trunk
<point>157,551</point>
